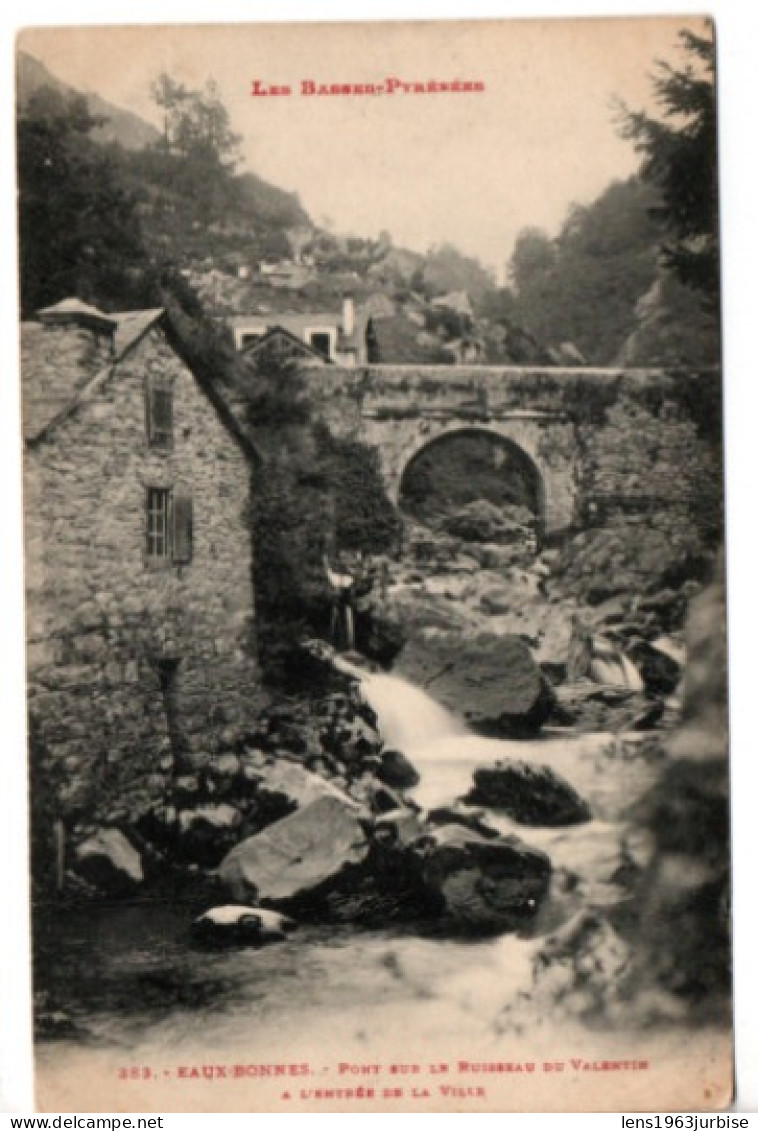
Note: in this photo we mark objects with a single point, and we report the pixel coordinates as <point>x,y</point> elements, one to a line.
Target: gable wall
<point>100,617</point>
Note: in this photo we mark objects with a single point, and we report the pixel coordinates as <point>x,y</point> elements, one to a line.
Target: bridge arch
<point>542,448</point>
<point>514,463</point>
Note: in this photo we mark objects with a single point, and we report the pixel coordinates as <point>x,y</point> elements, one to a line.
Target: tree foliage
<point>315,494</point>
<point>79,230</point>
<point>448,269</point>
<point>680,158</point>
<point>583,286</point>
<point>196,124</point>
<point>198,151</point>
<point>364,518</point>
<point>533,257</point>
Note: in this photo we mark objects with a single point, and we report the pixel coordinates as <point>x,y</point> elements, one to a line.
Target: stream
<point>135,992</point>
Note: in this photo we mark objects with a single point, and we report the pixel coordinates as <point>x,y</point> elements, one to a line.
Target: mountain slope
<point>124,127</point>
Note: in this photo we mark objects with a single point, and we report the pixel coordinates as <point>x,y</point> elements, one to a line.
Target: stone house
<point>284,346</point>
<point>140,648</point>
<point>343,338</point>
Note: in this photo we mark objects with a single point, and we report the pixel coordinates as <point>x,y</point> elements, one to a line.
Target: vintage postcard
<point>373,496</point>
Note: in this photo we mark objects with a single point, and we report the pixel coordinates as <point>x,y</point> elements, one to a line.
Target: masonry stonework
<point>608,444</point>
<point>134,665</point>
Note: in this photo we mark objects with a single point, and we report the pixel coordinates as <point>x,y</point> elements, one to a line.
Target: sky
<point>469,168</point>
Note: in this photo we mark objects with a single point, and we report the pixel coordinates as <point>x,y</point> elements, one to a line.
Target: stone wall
<point>650,457</point>
<point>121,649</point>
<point>608,444</point>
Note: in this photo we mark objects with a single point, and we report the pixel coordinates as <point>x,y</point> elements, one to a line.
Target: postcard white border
<point>737,30</point>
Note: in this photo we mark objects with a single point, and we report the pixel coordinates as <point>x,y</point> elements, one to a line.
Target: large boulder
<point>530,794</point>
<point>493,678</point>
<point>299,857</point>
<point>286,786</point>
<point>484,885</point>
<point>396,771</point>
<point>236,924</point>
<point>109,862</point>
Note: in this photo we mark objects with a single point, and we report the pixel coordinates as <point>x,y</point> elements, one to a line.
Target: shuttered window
<point>159,406</point>
<point>169,520</point>
<point>182,527</point>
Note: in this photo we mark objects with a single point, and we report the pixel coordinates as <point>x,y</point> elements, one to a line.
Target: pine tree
<point>680,157</point>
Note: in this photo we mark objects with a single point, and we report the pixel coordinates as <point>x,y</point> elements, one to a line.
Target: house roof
<point>130,326</point>
<point>73,309</point>
<point>52,391</point>
<point>295,323</point>
<point>278,332</point>
<point>298,323</point>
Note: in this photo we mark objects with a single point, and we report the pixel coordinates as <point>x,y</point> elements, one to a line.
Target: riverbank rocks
<point>378,635</point>
<point>493,679</point>
<point>240,925</point>
<point>298,857</point>
<point>204,834</point>
<point>530,794</point>
<point>588,707</point>
<point>396,771</point>
<point>484,885</point>
<point>397,827</point>
<point>627,555</point>
<point>483,521</point>
<point>285,786</point>
<point>109,862</point>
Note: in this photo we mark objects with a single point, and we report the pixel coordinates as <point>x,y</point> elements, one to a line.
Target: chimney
<point>348,316</point>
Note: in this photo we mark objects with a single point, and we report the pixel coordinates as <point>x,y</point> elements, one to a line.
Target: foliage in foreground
<point>316,496</point>
<point>680,158</point>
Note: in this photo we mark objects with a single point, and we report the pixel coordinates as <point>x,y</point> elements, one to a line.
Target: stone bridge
<point>630,439</point>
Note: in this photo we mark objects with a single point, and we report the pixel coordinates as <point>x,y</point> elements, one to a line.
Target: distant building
<point>284,346</point>
<point>285,274</point>
<point>345,338</point>
<point>468,350</point>
<point>138,555</point>
<point>457,301</point>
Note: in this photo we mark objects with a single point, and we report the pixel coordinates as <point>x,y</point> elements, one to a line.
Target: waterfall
<point>440,745</point>
<point>408,717</point>
<point>437,743</point>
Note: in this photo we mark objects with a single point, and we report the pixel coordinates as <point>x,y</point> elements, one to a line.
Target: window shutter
<point>160,415</point>
<point>182,527</point>
<point>149,411</point>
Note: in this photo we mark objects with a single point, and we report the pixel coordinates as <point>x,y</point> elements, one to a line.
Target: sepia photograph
<point>374,563</point>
